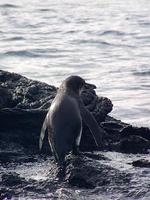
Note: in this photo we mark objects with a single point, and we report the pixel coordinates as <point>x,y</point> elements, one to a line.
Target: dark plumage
<point>64,119</point>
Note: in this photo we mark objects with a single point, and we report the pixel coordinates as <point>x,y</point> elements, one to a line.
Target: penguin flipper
<point>42,134</point>
<point>90,121</point>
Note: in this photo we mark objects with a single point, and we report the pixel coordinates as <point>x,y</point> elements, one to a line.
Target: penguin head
<point>74,83</point>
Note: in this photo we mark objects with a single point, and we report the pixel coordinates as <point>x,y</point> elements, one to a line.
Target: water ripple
<point>15,38</point>
<point>143,73</point>
<point>113,32</point>
<point>8,6</point>
<point>46,10</point>
<point>22,53</point>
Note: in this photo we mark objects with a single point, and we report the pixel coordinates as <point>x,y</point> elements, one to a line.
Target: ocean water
<point>105,42</point>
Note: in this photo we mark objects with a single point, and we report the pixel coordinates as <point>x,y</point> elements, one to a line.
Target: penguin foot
<point>61,172</point>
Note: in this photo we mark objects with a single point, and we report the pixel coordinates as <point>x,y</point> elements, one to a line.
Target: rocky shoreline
<point>23,106</point>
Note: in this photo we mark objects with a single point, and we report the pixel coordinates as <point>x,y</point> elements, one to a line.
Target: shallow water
<point>106,42</point>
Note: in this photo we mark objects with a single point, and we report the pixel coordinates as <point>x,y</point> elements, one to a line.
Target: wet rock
<point>143,132</point>
<point>95,156</point>
<point>78,174</point>
<point>15,157</point>
<point>82,173</point>
<point>6,194</point>
<point>134,139</point>
<point>12,179</point>
<point>141,163</point>
<point>134,144</point>
<point>5,97</point>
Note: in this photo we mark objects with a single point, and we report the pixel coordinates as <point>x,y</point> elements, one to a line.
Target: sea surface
<point>105,42</point>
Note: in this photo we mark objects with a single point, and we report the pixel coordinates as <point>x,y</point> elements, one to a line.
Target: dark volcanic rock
<point>141,163</point>
<point>26,103</point>
<point>143,132</point>
<point>25,93</point>
<point>28,94</point>
<point>80,176</point>
<point>134,144</point>
<point>12,179</point>
<point>99,106</point>
<point>135,140</point>
<point>5,98</point>
<point>81,172</point>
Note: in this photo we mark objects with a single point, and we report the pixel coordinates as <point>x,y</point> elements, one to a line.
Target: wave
<point>22,53</point>
<point>31,54</point>
<point>143,73</point>
<point>113,32</point>
<point>97,42</point>
<point>47,10</point>
<point>7,5</point>
<point>15,38</point>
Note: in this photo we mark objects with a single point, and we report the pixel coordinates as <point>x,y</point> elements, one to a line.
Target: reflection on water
<point>106,42</point>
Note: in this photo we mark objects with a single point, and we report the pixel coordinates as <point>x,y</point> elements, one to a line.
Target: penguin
<point>64,120</point>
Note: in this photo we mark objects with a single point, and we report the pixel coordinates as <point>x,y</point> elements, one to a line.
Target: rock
<point>6,194</point>
<point>5,97</point>
<point>8,156</point>
<point>12,179</point>
<point>25,93</point>
<point>82,173</point>
<point>99,106</point>
<point>134,144</point>
<point>143,132</point>
<point>78,174</point>
<point>141,163</point>
<point>30,101</point>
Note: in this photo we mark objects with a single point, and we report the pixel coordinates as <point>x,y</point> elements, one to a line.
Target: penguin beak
<point>89,86</point>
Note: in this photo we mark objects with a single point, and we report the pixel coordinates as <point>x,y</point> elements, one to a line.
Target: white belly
<point>79,137</point>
